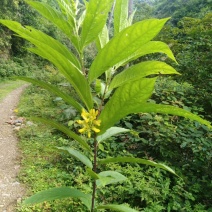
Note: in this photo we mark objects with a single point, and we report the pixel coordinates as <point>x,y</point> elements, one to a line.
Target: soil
<point>11,190</point>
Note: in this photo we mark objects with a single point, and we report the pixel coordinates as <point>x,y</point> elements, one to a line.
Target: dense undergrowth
<point>13,67</point>
<point>179,143</point>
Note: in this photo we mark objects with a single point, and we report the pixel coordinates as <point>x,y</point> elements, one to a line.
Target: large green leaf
<point>77,80</point>
<point>69,10</point>
<point>110,115</point>
<point>95,19</point>
<point>124,44</point>
<point>130,18</point>
<point>111,132</point>
<point>58,19</point>
<point>124,101</point>
<point>120,15</point>
<point>63,129</point>
<point>121,208</point>
<point>39,38</point>
<point>92,174</point>
<point>81,19</point>
<point>109,177</point>
<point>78,155</point>
<point>58,193</point>
<point>149,48</point>
<point>136,160</point>
<point>57,55</point>
<point>103,38</point>
<point>141,70</point>
<point>167,109</point>
<point>154,47</point>
<point>67,98</point>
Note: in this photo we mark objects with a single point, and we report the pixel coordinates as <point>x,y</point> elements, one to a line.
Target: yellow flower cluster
<point>89,122</point>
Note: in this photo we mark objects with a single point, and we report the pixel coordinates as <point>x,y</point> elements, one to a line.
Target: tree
<point>178,9</point>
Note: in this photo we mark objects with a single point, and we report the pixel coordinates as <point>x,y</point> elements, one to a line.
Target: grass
<point>7,86</point>
<point>43,166</point>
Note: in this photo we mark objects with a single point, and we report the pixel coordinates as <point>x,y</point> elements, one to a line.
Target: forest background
<point>181,144</point>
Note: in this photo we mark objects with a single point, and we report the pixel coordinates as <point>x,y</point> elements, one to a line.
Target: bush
<point>10,68</point>
<point>181,143</point>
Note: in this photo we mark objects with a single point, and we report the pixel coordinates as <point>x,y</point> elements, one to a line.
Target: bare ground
<point>11,190</point>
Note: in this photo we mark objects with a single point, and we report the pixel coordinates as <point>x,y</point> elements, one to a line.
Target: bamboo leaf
<point>120,15</point>
<point>67,98</point>
<point>78,155</point>
<point>63,129</point>
<point>58,193</point>
<point>111,132</point>
<point>141,70</point>
<point>136,160</point>
<point>121,208</point>
<point>124,100</point>
<point>109,177</point>
<point>95,19</point>
<point>124,44</point>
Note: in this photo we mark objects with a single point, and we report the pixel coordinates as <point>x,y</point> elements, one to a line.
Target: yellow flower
<point>97,122</point>
<point>85,115</point>
<point>89,122</point>
<point>15,110</point>
<point>95,129</point>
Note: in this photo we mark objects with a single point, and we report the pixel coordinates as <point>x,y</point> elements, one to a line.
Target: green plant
<point>10,68</point>
<point>182,144</point>
<point>102,103</point>
<point>191,43</point>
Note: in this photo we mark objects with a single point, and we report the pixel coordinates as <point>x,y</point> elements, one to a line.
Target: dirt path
<point>10,189</point>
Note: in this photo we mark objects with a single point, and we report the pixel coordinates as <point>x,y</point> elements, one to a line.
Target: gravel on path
<point>11,190</point>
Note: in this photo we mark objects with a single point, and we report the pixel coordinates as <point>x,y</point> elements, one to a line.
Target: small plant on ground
<point>105,94</point>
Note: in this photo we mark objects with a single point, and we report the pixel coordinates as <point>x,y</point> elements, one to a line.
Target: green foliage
<point>16,10</point>
<point>146,188</point>
<point>191,42</point>
<point>128,44</point>
<point>144,9</point>
<point>179,9</point>
<point>166,138</point>
<point>125,46</point>
<point>13,67</point>
<point>58,193</point>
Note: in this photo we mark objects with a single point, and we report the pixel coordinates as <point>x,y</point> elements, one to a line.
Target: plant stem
<point>94,169</point>
<point>82,63</point>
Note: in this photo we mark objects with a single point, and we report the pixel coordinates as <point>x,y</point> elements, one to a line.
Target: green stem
<point>82,64</point>
<point>103,97</point>
<point>94,169</point>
